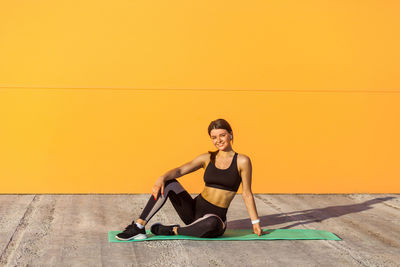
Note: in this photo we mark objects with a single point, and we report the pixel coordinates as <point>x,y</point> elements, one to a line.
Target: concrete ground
<point>71,230</point>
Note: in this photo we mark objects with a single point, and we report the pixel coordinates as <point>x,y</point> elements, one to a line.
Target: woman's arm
<point>247,194</point>
<point>186,168</point>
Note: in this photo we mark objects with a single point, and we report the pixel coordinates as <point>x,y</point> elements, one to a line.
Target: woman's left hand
<point>257,229</point>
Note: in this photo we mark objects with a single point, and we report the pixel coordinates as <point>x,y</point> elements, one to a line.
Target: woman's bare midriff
<point>219,197</point>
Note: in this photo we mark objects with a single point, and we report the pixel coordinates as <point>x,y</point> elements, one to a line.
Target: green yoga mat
<point>242,234</point>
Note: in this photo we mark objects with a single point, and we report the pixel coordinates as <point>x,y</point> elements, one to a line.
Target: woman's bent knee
<point>212,222</point>
<point>173,185</point>
<point>215,216</point>
<point>214,225</point>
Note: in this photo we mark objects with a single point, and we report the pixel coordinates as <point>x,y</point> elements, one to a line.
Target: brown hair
<point>218,124</point>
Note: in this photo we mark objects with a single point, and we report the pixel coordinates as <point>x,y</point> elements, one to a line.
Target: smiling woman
<point>205,215</point>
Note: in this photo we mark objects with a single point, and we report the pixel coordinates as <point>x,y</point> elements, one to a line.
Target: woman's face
<point>220,138</point>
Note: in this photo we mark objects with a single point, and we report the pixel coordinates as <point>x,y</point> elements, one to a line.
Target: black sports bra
<point>227,179</point>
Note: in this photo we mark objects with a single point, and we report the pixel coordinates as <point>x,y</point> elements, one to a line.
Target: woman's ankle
<point>142,222</point>
<point>175,230</point>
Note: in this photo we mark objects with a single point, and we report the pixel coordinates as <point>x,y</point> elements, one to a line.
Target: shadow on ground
<point>307,216</point>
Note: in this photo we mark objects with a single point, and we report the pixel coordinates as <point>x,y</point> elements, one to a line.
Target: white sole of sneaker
<point>138,236</point>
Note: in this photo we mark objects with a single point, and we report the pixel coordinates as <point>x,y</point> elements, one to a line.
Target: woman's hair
<point>218,124</point>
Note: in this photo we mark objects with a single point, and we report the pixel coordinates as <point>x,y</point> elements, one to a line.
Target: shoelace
<point>129,227</point>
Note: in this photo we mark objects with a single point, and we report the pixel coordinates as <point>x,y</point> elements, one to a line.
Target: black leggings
<point>202,218</point>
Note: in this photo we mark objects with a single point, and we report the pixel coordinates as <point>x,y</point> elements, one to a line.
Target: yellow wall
<point>103,97</point>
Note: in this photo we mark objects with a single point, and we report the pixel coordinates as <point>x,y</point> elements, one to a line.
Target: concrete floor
<point>71,230</point>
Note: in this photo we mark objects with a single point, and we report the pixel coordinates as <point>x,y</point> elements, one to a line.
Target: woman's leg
<point>181,200</point>
<point>210,225</point>
<point>179,197</point>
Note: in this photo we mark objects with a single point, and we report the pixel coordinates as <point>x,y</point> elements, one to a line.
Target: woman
<point>205,215</point>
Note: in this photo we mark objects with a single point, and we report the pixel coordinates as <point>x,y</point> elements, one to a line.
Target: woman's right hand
<point>157,186</point>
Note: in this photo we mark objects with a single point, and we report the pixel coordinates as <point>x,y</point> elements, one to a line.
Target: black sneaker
<point>132,231</point>
<point>160,229</point>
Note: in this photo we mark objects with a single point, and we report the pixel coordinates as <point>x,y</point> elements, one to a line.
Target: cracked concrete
<point>71,230</point>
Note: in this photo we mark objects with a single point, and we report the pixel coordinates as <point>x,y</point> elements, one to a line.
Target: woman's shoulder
<point>204,158</point>
<point>243,159</point>
<point>242,156</point>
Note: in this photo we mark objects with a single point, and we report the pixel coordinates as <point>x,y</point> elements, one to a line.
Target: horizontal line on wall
<point>201,89</point>
<point>194,193</point>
